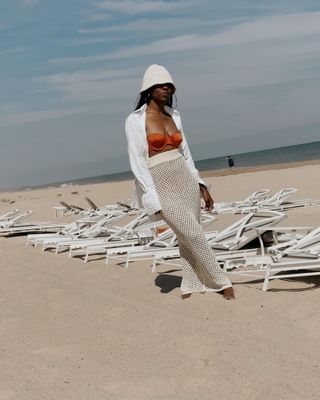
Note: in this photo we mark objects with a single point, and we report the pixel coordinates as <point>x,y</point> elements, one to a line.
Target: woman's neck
<point>156,107</point>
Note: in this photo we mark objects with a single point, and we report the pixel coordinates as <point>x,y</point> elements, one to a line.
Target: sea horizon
<point>278,155</point>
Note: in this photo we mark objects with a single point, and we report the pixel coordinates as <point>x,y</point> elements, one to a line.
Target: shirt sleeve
<point>139,167</point>
<point>187,155</point>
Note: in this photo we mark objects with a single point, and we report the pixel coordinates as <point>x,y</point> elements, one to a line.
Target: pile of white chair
<point>13,222</point>
<point>254,246</point>
<point>261,200</point>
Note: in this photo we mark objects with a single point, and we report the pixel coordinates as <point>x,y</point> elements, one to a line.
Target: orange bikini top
<point>158,141</point>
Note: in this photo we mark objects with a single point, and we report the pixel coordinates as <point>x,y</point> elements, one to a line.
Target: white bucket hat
<point>155,75</point>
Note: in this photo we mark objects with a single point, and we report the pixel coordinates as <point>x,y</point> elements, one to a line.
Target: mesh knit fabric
<point>179,195</point>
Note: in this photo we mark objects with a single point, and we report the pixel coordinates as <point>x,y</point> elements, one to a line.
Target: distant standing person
<point>230,162</point>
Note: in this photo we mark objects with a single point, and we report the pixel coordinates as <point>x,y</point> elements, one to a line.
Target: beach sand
<point>77,331</point>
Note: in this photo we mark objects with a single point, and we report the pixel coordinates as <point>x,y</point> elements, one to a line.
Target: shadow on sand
<point>167,282</point>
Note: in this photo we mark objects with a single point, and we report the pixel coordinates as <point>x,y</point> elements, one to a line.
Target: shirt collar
<point>141,109</point>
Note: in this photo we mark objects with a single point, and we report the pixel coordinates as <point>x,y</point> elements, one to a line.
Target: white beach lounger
<point>32,227</point>
<point>14,220</point>
<point>72,229</point>
<point>244,231</point>
<point>295,258</point>
<point>103,248</point>
<point>109,234</point>
<point>127,254</point>
<point>237,206</point>
<point>259,201</point>
<point>97,228</point>
<point>279,201</point>
<point>8,215</point>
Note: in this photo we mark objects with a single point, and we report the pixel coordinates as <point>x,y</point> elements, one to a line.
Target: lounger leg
<point>154,264</point>
<point>261,245</point>
<point>266,278</point>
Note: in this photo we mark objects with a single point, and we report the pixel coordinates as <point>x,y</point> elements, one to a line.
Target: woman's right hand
<point>207,198</point>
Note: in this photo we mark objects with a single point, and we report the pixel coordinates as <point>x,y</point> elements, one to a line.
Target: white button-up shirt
<point>135,127</point>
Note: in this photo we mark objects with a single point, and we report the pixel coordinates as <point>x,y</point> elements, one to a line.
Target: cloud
<point>92,85</point>
<point>21,118</point>
<point>17,49</point>
<point>146,25</point>
<point>288,26</point>
<point>94,17</point>
<point>275,28</point>
<point>138,7</point>
<point>279,60</point>
<point>30,3</point>
<point>179,43</point>
<point>85,75</point>
<point>88,41</point>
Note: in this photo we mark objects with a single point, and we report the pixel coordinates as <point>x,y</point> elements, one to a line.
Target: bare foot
<point>185,296</point>
<point>228,293</point>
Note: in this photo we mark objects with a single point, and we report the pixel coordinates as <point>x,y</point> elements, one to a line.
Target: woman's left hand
<point>207,198</point>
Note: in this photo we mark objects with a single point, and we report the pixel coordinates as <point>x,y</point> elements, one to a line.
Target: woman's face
<point>162,92</point>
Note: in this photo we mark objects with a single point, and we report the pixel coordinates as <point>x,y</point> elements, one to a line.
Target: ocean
<point>299,152</point>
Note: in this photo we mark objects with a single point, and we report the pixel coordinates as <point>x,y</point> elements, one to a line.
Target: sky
<point>247,74</point>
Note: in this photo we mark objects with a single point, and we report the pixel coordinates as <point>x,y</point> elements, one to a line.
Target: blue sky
<point>246,71</point>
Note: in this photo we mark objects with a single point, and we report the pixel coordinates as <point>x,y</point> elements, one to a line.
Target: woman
<point>168,182</point>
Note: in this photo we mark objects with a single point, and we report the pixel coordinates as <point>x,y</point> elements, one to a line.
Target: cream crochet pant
<point>179,195</point>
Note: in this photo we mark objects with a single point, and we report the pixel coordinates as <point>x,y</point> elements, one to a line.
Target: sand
<point>77,331</point>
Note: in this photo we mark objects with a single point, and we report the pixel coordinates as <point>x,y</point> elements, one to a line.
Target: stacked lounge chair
<point>291,252</point>
<point>260,201</point>
<point>297,256</point>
